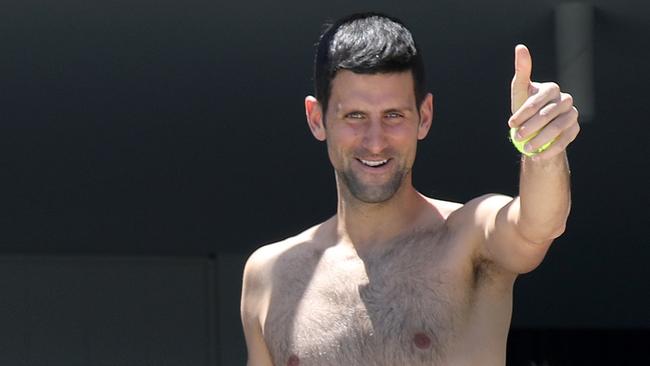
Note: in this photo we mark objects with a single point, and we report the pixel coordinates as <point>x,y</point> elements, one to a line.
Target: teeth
<point>374,163</point>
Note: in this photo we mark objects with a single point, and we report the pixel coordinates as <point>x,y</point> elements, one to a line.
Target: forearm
<point>545,198</point>
<point>541,112</point>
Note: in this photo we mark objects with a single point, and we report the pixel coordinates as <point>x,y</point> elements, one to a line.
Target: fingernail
<point>519,136</point>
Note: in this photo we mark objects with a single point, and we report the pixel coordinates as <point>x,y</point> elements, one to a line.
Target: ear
<point>426,116</point>
<point>314,113</point>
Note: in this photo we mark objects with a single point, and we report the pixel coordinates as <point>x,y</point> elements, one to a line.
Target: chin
<point>372,197</point>
<point>379,192</point>
<point>373,193</point>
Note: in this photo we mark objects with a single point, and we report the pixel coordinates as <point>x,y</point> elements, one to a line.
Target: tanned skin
<point>397,278</point>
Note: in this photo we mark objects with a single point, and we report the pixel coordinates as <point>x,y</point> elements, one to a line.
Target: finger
<point>553,130</point>
<point>519,88</point>
<point>544,93</point>
<point>559,145</point>
<point>545,115</point>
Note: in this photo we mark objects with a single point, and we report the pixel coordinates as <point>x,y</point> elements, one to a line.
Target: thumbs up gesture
<point>540,112</point>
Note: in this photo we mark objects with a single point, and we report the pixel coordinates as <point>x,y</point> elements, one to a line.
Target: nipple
<point>422,341</point>
<point>293,361</point>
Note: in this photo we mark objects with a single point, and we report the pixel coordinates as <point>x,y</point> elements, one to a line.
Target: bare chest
<point>400,307</point>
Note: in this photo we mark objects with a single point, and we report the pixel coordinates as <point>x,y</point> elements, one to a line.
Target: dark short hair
<point>366,43</point>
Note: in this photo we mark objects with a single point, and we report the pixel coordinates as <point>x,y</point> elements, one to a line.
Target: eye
<point>355,115</point>
<point>393,117</point>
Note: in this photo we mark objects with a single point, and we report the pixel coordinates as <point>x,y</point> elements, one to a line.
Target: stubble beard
<point>371,193</point>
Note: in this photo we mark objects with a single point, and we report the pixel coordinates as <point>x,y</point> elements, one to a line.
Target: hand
<point>542,109</point>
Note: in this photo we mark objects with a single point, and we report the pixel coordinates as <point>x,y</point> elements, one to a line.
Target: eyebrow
<point>342,109</point>
<point>399,109</point>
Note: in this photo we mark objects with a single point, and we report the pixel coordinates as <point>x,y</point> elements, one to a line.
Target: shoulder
<point>469,224</point>
<point>474,212</point>
<point>260,271</point>
<point>260,265</point>
<point>444,208</point>
<point>257,285</point>
<point>470,227</point>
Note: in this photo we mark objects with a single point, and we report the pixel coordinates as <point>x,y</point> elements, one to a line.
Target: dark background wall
<point>176,129</point>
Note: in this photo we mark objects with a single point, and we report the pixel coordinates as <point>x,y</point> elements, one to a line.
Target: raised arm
<point>518,232</point>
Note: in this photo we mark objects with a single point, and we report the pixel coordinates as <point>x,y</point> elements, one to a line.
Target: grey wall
<point>81,310</point>
<point>176,128</point>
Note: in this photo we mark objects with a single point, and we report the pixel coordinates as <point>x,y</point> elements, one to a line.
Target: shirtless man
<point>397,278</point>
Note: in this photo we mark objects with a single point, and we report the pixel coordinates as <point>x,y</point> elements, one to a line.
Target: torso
<point>421,300</point>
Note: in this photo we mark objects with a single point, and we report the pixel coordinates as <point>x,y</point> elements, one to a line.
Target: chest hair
<point>370,310</point>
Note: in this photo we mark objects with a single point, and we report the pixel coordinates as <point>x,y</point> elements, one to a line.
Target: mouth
<point>373,163</point>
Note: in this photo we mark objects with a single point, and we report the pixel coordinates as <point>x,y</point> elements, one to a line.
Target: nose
<point>374,139</point>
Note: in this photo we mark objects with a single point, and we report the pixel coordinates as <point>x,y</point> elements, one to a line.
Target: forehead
<point>374,89</point>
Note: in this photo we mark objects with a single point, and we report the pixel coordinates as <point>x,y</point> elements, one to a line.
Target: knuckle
<point>552,88</point>
<point>574,112</point>
<point>546,111</point>
<point>568,98</point>
<point>573,135</point>
<point>533,105</point>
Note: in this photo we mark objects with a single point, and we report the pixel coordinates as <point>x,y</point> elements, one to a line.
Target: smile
<point>373,163</point>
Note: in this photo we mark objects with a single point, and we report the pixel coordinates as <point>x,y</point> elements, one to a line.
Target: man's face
<point>372,127</point>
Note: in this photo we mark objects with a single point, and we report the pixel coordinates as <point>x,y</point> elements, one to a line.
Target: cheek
<point>407,130</point>
<point>339,148</point>
<point>335,153</point>
<point>343,138</point>
<point>405,137</point>
<point>408,148</point>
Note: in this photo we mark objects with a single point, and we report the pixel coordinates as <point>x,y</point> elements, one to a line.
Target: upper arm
<point>496,216</point>
<point>254,290</point>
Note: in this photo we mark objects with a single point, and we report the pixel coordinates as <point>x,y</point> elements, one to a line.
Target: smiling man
<point>397,278</point>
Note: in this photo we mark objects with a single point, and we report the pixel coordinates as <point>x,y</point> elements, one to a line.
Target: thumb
<point>521,81</point>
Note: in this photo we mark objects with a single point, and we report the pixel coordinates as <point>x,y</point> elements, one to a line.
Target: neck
<point>365,225</point>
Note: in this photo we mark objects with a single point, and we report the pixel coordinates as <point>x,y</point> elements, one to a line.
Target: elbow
<point>531,264</point>
<point>531,256</point>
<point>529,253</point>
<point>524,259</point>
<point>551,234</point>
<point>559,231</point>
<point>543,227</point>
<point>541,234</point>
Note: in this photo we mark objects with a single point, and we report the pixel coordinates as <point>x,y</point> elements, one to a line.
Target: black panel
<point>106,311</point>
<point>567,347</point>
